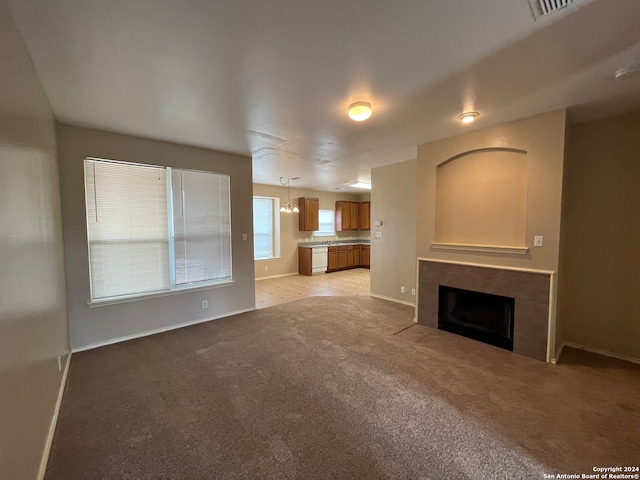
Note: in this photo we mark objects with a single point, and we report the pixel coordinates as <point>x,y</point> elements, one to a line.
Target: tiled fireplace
<point>529,289</point>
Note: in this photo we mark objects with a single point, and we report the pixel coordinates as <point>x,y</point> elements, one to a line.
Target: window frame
<point>325,233</point>
<point>275,228</point>
<point>173,288</point>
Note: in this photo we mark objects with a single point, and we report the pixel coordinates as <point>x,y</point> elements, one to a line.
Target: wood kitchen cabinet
<point>365,256</point>
<point>365,215</point>
<point>343,216</point>
<point>309,212</point>
<point>304,261</point>
<point>341,257</point>
<point>352,216</point>
<point>341,253</point>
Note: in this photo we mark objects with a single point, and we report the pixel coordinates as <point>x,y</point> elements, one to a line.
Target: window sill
<point>266,259</point>
<point>165,293</point>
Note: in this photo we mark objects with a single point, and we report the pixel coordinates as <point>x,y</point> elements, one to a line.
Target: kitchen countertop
<point>335,243</point>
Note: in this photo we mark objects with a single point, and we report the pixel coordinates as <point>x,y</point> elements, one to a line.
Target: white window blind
<point>151,229</point>
<point>127,228</point>
<point>325,224</point>
<point>202,226</point>
<point>263,232</point>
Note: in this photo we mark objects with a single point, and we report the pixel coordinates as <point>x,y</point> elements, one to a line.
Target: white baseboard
<point>277,276</point>
<point>382,297</point>
<point>54,420</point>
<point>554,359</point>
<point>157,330</point>
<point>606,353</point>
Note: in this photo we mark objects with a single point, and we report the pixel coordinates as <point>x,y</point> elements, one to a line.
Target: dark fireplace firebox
<point>481,316</point>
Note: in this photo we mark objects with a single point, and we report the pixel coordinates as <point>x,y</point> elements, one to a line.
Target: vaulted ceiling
<point>273,78</point>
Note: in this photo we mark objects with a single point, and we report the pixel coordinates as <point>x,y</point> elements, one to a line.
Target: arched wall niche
<point>481,198</point>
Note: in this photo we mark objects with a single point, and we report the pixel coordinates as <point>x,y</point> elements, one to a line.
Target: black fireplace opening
<point>480,316</point>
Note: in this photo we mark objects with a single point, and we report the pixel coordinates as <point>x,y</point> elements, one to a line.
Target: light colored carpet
<point>322,388</point>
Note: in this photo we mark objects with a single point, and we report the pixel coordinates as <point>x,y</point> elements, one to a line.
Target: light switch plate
<point>538,240</point>
<point>379,234</point>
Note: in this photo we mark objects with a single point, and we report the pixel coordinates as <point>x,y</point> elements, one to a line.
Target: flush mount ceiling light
<point>288,207</point>
<point>359,184</point>
<point>468,117</point>
<point>359,111</point>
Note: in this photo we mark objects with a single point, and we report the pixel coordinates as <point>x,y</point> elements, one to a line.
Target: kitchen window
<point>325,224</point>
<point>154,229</point>
<point>266,228</point>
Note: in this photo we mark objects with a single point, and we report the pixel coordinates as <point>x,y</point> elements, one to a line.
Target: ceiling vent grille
<point>545,7</point>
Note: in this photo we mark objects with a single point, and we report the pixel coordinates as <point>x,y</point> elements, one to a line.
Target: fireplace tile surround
<point>530,288</point>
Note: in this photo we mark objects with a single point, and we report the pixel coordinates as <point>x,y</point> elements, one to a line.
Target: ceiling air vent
<point>545,7</point>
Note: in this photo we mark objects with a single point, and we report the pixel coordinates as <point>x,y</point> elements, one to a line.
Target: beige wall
<point>290,236</point>
<point>393,257</point>
<point>599,281</point>
<point>33,316</point>
<point>542,137</point>
<point>104,324</point>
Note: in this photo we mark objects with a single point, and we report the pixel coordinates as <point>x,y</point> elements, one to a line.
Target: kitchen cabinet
<point>341,253</point>
<point>343,216</point>
<point>365,215</point>
<point>341,257</point>
<point>352,216</point>
<point>304,261</point>
<point>308,216</point>
<point>355,215</point>
<point>365,256</point>
<point>332,259</point>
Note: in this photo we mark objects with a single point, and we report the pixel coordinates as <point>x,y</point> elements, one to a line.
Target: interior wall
<point>290,236</point>
<point>599,281</point>
<point>33,316</point>
<point>108,323</point>
<point>542,137</point>
<point>393,256</point>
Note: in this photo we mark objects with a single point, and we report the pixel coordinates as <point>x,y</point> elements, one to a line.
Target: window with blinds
<point>265,228</point>
<point>152,229</point>
<point>325,224</point>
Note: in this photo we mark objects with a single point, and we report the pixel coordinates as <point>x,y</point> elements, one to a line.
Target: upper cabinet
<point>352,216</point>
<point>308,216</point>
<point>365,215</point>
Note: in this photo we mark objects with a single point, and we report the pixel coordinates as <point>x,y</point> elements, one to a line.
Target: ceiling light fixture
<point>359,184</point>
<point>359,111</point>
<point>468,117</point>
<point>288,207</point>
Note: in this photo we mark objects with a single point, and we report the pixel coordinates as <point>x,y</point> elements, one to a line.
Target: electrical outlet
<point>538,240</point>
<point>205,303</point>
<point>401,289</point>
<point>413,292</point>
<point>266,269</point>
<point>59,363</point>
<point>244,236</point>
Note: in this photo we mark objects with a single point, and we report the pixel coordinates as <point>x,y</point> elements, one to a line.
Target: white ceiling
<point>273,78</point>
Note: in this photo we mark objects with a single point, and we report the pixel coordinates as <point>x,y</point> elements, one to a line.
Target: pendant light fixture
<point>288,207</point>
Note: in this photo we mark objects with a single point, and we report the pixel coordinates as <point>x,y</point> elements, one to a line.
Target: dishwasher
<point>319,257</point>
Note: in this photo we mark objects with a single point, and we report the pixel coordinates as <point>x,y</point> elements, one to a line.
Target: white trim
<point>174,291</point>
<point>497,267</point>
<point>382,297</point>
<point>54,421</point>
<point>551,324</point>
<point>157,330</point>
<point>554,360</point>
<point>598,351</point>
<point>277,276</point>
<point>468,247</point>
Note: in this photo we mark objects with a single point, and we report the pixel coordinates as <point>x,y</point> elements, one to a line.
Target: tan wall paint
<point>290,236</point>
<point>542,137</point>
<point>91,326</point>
<point>599,281</point>
<point>33,315</point>
<point>481,198</point>
<point>393,257</point>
